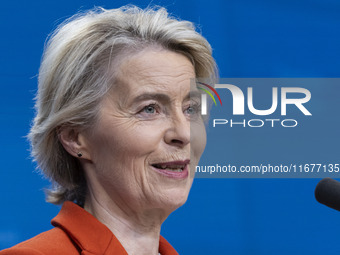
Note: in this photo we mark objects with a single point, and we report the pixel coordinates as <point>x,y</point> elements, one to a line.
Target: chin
<point>175,199</point>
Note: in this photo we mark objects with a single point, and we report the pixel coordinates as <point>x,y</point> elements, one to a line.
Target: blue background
<point>222,216</point>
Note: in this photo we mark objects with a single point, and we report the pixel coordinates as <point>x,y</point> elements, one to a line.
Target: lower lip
<point>172,174</point>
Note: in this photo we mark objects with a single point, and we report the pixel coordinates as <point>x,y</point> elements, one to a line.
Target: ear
<point>73,142</point>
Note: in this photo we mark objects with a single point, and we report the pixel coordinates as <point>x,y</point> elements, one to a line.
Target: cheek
<point>127,143</point>
<point>142,140</point>
<point>198,139</point>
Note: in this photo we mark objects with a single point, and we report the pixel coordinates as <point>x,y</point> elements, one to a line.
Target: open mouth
<point>171,167</point>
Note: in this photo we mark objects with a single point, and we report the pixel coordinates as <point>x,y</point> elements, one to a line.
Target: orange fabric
<point>77,232</point>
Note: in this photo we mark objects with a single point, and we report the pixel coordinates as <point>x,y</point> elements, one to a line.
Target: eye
<point>192,109</point>
<point>149,109</point>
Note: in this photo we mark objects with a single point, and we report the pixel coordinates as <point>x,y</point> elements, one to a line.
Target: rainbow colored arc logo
<point>209,93</point>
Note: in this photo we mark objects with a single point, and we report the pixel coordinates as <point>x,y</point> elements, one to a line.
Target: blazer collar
<point>92,236</point>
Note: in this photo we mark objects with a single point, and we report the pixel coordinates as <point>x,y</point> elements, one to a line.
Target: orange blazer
<point>77,232</point>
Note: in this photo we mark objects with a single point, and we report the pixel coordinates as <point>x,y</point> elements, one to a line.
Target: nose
<point>178,132</point>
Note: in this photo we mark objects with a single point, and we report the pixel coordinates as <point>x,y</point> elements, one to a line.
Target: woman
<point>118,129</point>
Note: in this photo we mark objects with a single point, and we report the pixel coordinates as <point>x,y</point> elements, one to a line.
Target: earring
<point>79,154</point>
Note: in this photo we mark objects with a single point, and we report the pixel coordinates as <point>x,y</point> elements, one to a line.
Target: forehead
<point>155,69</point>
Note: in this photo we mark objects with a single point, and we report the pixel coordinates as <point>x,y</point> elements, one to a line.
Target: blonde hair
<point>74,77</point>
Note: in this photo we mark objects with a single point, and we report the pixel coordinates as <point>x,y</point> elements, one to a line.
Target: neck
<point>138,232</point>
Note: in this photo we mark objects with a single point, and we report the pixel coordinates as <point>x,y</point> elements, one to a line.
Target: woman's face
<point>149,134</point>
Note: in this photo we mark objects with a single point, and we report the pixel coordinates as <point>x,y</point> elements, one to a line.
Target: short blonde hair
<point>74,77</point>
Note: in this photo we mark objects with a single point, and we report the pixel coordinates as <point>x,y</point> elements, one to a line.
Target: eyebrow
<point>164,97</point>
<point>147,96</point>
<point>194,94</point>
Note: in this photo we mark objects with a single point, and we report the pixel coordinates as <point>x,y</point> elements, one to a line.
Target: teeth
<point>178,168</point>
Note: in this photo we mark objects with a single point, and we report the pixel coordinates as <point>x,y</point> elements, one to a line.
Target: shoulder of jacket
<point>52,242</point>
<point>21,251</point>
